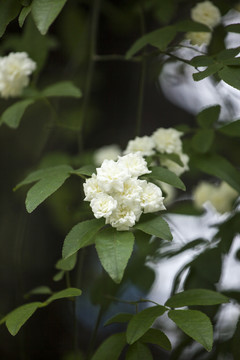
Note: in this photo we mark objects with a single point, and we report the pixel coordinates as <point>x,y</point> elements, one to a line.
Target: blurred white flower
<point>91,188</point>
<point>174,167</point>
<point>206,13</point>
<point>134,163</point>
<point>170,192</point>
<point>144,145</point>
<point>103,205</point>
<point>199,38</point>
<point>151,199</point>
<point>220,196</point>
<point>15,70</point>
<point>109,152</point>
<point>167,140</point>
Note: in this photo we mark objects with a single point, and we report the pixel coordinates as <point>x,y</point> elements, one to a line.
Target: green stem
<point>142,80</point>
<point>90,70</point>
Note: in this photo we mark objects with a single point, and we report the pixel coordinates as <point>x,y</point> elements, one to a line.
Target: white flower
<point>109,152</point>
<point>103,205</point>
<point>124,217</point>
<point>199,38</point>
<point>143,144</point>
<point>220,196</point>
<point>132,191</point>
<point>167,140</point>
<point>111,176</point>
<point>152,199</point>
<point>134,163</point>
<point>15,70</point>
<point>174,167</point>
<point>206,13</point>
<point>91,188</point>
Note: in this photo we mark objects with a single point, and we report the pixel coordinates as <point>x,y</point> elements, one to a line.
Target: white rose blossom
<point>109,152</point>
<point>220,196</point>
<point>144,145</point>
<point>167,140</point>
<point>199,38</point>
<point>15,70</point>
<point>103,205</point>
<point>206,13</point>
<point>116,194</point>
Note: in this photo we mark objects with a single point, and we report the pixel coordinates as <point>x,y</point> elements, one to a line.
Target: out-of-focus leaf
<point>63,88</point>
<point>208,116</point>
<point>23,14</point>
<point>154,225</point>
<point>114,249</point>
<point>14,113</point>
<point>87,170</point>
<point>190,25</point>
<point>233,28</point>
<point>66,293</point>
<point>111,348</point>
<point>196,297</point>
<point>68,263</point>
<point>231,129</point>
<point>202,60</point>
<point>202,140</point>
<point>119,318</point>
<point>40,290</point>
<point>17,318</point>
<point>141,322</point>
<point>159,38</point>
<point>81,235</point>
<point>45,12</point>
<point>218,166</point>
<point>8,11</point>
<point>195,324</point>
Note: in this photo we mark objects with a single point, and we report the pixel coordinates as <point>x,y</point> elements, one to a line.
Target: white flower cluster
<point>109,152</point>
<point>15,70</point>
<point>164,141</point>
<point>205,13</point>
<point>116,194</point>
<point>220,196</point>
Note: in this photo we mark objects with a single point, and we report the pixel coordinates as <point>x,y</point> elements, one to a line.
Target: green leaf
<point>46,186</point>
<point>114,249</point>
<point>40,290</point>
<point>111,348</point>
<point>159,38</point>
<point>172,157</point>
<point>196,297</point>
<point>141,322</point>
<point>233,28</point>
<point>63,88</point>
<point>167,176</point>
<point>119,318</point>
<point>66,293</point>
<point>231,129</point>
<point>231,76</point>
<point>195,324</point>
<point>8,11</point>
<point>17,318</point>
<point>81,235</point>
<point>208,116</point>
<point>190,25</point>
<point>202,140</point>
<point>154,225</point>
<point>58,276</point>
<point>87,170</point>
<point>44,12</point>
<point>23,14</point>
<point>228,54</point>
<point>218,166</point>
<point>157,337</point>
<point>138,351</point>
<point>68,263</point>
<point>13,114</point>
<point>202,60</point>
<point>211,70</point>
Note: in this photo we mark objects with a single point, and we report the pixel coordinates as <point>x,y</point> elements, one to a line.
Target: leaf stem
<point>90,70</point>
